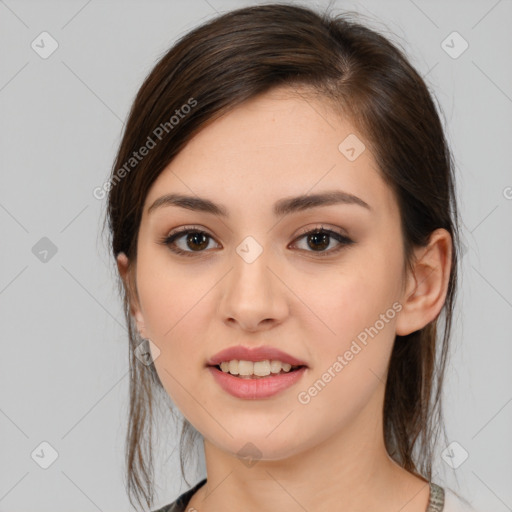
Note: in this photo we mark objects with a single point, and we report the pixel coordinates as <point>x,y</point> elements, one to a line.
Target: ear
<point>126,273</point>
<point>426,287</point>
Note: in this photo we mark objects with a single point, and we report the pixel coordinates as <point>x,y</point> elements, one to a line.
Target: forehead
<point>282,143</point>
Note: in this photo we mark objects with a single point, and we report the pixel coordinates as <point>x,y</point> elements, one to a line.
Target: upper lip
<point>240,352</point>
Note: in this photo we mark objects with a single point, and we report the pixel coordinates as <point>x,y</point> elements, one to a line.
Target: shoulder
<point>182,501</point>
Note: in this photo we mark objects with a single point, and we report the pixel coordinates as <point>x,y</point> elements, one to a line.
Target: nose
<point>253,296</point>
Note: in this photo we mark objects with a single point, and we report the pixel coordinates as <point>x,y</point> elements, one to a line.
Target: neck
<point>348,471</point>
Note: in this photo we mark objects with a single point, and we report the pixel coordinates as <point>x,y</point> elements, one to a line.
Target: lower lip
<point>254,389</point>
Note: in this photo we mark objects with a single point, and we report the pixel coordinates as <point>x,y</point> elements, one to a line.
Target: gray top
<point>435,504</point>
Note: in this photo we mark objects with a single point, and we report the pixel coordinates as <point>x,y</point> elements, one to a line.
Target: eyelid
<point>323,227</point>
<point>190,227</point>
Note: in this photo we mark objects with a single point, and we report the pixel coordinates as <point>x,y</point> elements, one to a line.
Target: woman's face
<point>257,280</point>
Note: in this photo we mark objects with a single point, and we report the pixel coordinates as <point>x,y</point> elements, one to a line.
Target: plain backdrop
<point>63,375</point>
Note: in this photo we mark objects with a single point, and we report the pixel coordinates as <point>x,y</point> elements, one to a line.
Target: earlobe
<point>123,265</point>
<point>140,323</point>
<point>427,285</point>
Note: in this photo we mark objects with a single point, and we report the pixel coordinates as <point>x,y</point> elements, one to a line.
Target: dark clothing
<point>180,505</point>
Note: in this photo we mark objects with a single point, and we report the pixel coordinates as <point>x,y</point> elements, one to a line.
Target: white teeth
<point>245,367</point>
<point>233,367</point>
<point>258,368</point>
<point>262,368</point>
<point>275,366</point>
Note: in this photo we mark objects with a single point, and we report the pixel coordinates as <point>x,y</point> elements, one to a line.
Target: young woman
<point>283,217</point>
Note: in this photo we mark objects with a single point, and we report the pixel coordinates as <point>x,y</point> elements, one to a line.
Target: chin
<point>259,447</point>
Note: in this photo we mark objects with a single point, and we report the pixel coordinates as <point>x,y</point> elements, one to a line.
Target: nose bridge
<point>252,292</point>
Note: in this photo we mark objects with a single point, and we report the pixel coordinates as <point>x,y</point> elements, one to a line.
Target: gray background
<point>64,363</point>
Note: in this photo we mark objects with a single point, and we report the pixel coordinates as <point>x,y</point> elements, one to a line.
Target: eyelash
<point>342,239</point>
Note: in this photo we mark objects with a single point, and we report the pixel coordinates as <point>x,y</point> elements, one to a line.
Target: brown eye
<point>318,241</point>
<point>199,240</point>
<point>320,238</point>
<point>195,241</point>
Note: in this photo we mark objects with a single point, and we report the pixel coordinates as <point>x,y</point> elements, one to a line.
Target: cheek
<point>172,298</point>
<point>343,301</point>
<point>177,310</point>
<point>352,334</point>
<point>172,305</point>
<point>351,358</point>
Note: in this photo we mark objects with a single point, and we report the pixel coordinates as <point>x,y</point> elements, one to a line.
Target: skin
<point>330,451</point>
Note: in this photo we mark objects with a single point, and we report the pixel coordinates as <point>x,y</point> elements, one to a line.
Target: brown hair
<point>235,57</point>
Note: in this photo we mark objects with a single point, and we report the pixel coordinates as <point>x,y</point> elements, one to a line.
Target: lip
<point>240,352</point>
<point>254,389</point>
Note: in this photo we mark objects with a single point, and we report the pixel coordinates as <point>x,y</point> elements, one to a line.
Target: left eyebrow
<point>305,202</point>
<point>282,207</point>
